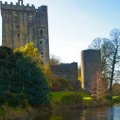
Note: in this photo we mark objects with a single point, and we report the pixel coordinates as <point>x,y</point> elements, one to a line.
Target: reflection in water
<point>68,115</point>
<point>97,114</point>
<point>116,112</point>
<point>102,113</point>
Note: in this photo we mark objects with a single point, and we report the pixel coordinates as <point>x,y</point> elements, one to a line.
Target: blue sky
<point>73,24</point>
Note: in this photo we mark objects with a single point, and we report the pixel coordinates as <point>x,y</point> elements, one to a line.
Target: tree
<point>54,60</point>
<point>98,87</point>
<point>116,89</point>
<point>110,55</point>
<point>21,79</point>
<point>49,75</point>
<point>55,83</point>
<point>96,44</point>
<point>33,82</point>
<point>30,50</point>
<point>105,46</point>
<point>115,58</point>
<point>51,78</point>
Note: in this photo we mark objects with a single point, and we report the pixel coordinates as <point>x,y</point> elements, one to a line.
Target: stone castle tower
<point>90,67</point>
<point>21,24</point>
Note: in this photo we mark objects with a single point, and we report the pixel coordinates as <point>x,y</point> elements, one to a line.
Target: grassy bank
<point>59,101</point>
<point>57,96</point>
<point>116,99</point>
<point>20,113</point>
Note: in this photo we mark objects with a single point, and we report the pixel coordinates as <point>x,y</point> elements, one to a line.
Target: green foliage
<point>55,83</point>
<point>5,52</point>
<point>21,80</point>
<point>33,82</point>
<point>31,51</point>
<point>71,99</point>
<point>67,99</point>
<point>61,84</point>
<point>49,75</point>
<point>13,99</point>
<point>54,60</point>
<point>109,97</point>
<point>116,99</point>
<point>75,100</point>
<point>57,96</point>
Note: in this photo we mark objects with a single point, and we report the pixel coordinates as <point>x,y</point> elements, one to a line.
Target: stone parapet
<point>18,7</point>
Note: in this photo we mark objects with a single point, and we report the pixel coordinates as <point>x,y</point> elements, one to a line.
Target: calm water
<point>104,113</point>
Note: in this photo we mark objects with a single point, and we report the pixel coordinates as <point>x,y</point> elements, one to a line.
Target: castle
<point>90,67</point>
<point>21,24</point>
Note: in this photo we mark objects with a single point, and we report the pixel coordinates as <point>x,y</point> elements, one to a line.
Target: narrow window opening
<point>17,26</point>
<point>40,42</point>
<point>18,35</point>
<point>41,33</point>
<point>41,53</point>
<point>86,83</point>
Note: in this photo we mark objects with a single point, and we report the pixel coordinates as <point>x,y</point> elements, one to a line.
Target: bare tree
<point>115,58</point>
<point>110,56</point>
<point>96,44</point>
<point>116,89</point>
<point>99,87</point>
<point>104,45</point>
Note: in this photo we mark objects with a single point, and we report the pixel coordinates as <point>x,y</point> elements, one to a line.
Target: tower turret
<point>21,24</point>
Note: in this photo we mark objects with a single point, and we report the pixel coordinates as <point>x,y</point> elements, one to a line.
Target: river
<point>102,113</point>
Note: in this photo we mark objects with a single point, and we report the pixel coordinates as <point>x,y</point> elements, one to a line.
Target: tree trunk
<point>112,72</point>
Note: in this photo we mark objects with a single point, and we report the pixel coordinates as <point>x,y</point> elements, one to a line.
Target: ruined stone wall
<point>90,66</point>
<point>68,72</point>
<point>21,24</point>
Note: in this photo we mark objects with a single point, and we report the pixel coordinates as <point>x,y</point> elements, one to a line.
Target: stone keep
<point>21,24</point>
<point>90,66</point>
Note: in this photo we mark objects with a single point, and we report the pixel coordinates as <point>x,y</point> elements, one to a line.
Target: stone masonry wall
<point>21,24</point>
<point>90,67</point>
<point>68,72</point>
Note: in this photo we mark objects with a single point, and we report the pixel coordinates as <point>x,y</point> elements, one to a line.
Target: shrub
<point>72,100</point>
<point>116,89</point>
<point>108,97</point>
<point>99,87</point>
<point>117,99</point>
<point>10,98</point>
<point>21,80</point>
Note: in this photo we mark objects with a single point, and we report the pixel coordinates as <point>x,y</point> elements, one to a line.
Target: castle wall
<point>42,32</point>
<point>68,72</point>
<point>90,67</point>
<point>21,24</point>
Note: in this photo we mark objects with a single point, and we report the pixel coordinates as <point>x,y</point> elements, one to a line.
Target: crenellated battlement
<point>18,6</point>
<point>22,23</point>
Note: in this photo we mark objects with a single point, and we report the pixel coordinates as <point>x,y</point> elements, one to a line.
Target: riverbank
<point>26,113</point>
<point>59,101</point>
<point>75,100</point>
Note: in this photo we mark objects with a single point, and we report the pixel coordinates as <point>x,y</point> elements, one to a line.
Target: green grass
<point>116,99</point>
<point>57,96</point>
